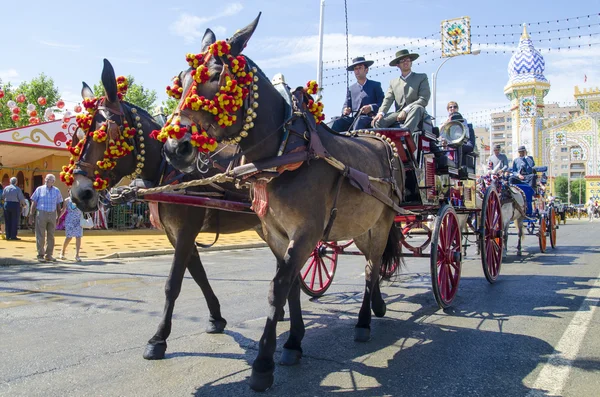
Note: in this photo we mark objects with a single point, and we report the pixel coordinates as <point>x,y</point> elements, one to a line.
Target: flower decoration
<point>176,90</point>
<point>115,148</point>
<point>312,87</point>
<point>122,86</point>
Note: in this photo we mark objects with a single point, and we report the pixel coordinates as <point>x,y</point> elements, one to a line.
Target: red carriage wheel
<point>317,274</point>
<point>406,233</point>
<point>492,241</point>
<point>542,233</point>
<point>445,256</point>
<point>553,226</point>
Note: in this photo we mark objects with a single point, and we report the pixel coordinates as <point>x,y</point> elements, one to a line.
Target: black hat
<point>359,61</point>
<point>456,116</point>
<point>497,146</point>
<point>522,149</point>
<point>403,54</point>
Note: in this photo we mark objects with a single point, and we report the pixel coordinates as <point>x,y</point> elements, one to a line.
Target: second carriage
<point>440,184</point>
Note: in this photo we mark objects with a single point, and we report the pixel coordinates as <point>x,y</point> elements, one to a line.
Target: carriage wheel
<point>542,233</point>
<point>446,256</point>
<point>553,225</point>
<point>492,241</point>
<point>317,274</point>
<point>530,227</point>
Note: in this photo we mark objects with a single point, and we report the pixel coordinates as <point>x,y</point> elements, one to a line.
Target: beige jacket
<point>404,94</point>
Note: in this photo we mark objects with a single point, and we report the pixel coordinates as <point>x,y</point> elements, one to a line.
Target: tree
<point>41,86</point>
<point>169,106</point>
<point>136,94</point>
<point>578,185</point>
<point>561,188</point>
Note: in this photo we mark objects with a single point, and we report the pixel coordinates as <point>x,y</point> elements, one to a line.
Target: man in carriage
<point>409,92</point>
<point>498,160</point>
<point>523,169</point>
<point>362,100</point>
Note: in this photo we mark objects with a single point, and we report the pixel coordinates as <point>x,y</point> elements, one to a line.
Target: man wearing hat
<point>522,168</point>
<point>497,158</point>
<point>362,100</point>
<point>409,92</point>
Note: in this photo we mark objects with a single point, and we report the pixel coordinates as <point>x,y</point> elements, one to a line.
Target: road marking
<point>555,373</point>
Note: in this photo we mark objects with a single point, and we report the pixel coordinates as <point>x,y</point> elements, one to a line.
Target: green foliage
<point>41,86</point>
<point>136,94</point>
<point>578,185</point>
<point>169,106</point>
<point>561,188</point>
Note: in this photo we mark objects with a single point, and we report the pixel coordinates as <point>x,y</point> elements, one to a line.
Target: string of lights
<point>540,22</point>
<point>535,32</point>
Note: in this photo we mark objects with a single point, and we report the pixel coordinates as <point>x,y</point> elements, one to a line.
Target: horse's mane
<point>142,112</point>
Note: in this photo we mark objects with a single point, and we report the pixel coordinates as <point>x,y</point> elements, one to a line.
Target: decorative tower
<point>526,90</point>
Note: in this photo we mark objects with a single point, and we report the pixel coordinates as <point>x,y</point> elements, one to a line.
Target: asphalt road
<point>81,330</point>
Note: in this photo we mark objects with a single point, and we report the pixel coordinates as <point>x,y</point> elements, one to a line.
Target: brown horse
<point>181,223</point>
<point>297,205</point>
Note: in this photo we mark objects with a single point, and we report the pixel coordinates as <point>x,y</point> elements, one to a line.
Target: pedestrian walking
<point>25,211</point>
<point>72,228</point>
<point>13,200</point>
<point>2,214</point>
<point>590,209</point>
<point>45,207</point>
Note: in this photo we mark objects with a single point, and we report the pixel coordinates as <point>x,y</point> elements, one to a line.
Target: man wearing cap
<point>362,100</point>
<point>409,92</point>
<point>522,168</point>
<point>498,158</point>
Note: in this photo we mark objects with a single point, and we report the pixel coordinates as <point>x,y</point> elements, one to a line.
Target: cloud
<point>9,75</point>
<point>190,26</point>
<point>65,46</point>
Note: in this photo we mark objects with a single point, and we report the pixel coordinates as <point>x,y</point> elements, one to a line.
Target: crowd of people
<point>42,211</point>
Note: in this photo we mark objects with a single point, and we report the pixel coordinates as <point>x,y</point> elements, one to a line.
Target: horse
<point>315,199</point>
<point>181,223</point>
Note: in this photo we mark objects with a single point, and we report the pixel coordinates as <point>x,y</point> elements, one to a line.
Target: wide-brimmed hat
<point>403,54</point>
<point>359,61</point>
<point>522,149</point>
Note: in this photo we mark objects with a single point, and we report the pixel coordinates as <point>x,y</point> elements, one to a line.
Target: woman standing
<point>72,228</point>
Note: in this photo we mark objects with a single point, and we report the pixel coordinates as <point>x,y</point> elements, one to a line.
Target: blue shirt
<point>47,199</point>
<point>523,165</point>
<point>12,193</point>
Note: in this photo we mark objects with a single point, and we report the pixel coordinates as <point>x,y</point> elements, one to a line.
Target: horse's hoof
<point>155,351</point>
<point>216,326</point>
<point>290,357</point>
<point>261,381</point>
<point>379,311</point>
<point>362,334</point>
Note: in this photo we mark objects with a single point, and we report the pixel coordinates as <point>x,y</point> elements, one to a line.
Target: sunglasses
<point>452,107</point>
<point>404,60</point>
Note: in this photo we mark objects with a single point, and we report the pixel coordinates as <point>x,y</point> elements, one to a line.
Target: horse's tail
<point>392,255</point>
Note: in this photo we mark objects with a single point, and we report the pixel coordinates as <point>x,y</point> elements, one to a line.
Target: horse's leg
<point>216,322</point>
<point>157,345</point>
<point>292,349</point>
<point>296,253</point>
<point>505,236</point>
<point>520,232</point>
<point>372,245</point>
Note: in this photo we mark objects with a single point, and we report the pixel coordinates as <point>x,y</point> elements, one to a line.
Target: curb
<point>132,254</point>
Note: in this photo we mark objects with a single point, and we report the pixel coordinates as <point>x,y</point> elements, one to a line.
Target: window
<point>563,174</point>
<point>564,149</point>
<point>564,167</point>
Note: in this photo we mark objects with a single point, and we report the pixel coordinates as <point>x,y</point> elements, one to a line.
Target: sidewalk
<point>109,244</point>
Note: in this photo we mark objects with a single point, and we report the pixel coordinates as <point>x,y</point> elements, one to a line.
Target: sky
<point>149,40</point>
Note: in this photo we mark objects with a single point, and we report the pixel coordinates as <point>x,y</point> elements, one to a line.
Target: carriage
<point>542,218</point>
<point>442,187</point>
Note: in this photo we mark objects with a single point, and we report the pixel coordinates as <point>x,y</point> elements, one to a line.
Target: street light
<point>434,80</point>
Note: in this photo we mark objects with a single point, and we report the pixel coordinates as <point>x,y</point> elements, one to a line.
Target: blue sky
<point>149,40</point>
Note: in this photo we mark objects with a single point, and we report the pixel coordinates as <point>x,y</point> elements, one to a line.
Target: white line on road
<point>555,372</point>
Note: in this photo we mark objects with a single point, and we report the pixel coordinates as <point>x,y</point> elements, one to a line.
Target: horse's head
<point>217,99</point>
<point>110,143</point>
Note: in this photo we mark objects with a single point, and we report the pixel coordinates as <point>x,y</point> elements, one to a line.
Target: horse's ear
<point>109,81</point>
<point>208,39</point>
<point>86,91</point>
<point>241,37</point>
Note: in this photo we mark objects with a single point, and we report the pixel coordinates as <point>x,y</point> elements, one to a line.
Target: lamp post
<point>434,82</point>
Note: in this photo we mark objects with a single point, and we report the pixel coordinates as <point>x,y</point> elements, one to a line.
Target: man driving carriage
<point>362,100</point>
<point>523,169</point>
<point>409,92</point>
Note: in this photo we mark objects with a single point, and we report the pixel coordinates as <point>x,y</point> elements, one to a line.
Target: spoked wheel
<point>542,233</point>
<point>317,274</point>
<point>530,227</point>
<point>446,256</point>
<point>492,241</point>
<point>553,225</point>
